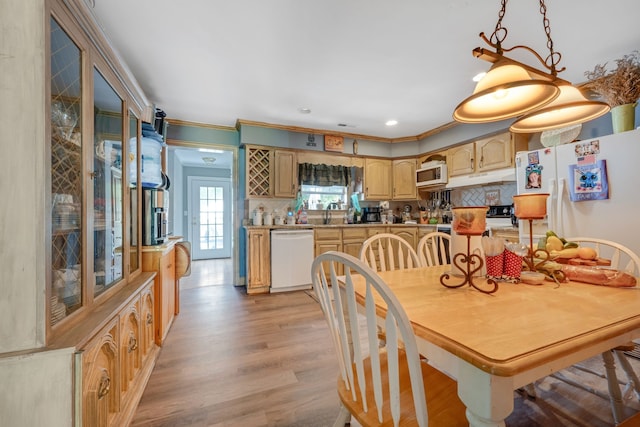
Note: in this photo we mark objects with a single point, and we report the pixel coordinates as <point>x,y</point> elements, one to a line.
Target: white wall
<point>36,389</point>
<point>22,212</point>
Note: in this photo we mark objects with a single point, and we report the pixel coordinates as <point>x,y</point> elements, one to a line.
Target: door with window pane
<point>210,212</point>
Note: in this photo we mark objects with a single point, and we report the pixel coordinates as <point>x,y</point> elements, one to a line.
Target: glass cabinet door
<point>107,185</point>
<point>66,176</point>
<point>133,193</point>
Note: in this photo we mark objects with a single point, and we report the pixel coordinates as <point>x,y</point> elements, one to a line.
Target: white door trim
<point>227,213</point>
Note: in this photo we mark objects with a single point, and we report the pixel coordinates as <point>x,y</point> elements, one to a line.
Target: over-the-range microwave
<point>431,174</point>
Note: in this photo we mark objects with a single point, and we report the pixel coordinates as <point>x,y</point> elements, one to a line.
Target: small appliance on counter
<point>155,207</point>
<point>371,215</point>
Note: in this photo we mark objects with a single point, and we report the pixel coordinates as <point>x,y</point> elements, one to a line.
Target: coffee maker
<point>154,213</point>
<point>371,215</point>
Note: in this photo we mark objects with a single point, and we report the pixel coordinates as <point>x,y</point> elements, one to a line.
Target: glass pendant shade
<point>506,91</point>
<point>570,108</point>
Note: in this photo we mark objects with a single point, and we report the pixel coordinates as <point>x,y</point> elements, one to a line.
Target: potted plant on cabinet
<point>620,88</point>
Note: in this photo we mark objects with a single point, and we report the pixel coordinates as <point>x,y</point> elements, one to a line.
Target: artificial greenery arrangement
<point>619,86</point>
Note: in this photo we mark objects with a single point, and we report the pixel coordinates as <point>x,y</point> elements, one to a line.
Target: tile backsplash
<point>477,196</point>
<point>468,196</point>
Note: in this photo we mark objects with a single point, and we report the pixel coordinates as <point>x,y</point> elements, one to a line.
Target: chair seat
<point>444,407</point>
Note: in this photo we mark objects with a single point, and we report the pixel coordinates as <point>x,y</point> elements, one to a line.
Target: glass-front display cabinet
<point>94,205</point>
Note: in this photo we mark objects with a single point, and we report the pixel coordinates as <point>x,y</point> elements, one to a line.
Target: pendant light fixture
<point>512,89</point>
<point>570,108</point>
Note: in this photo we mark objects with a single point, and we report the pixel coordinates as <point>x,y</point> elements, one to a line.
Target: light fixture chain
<point>500,33</point>
<point>554,57</point>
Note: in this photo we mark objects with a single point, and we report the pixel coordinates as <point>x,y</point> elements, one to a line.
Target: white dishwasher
<point>291,258</point>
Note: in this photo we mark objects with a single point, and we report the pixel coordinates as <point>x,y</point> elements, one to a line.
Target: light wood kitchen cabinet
<point>116,361</point>
<point>404,179</point>
<point>286,174</point>
<point>352,239</point>
<point>271,173</point>
<point>147,323</point>
<point>258,260</point>
<point>408,233</point>
<point>328,239</point>
<point>377,179</point>
<point>68,311</point>
<point>373,230</point>
<point>101,378</point>
<point>129,345</point>
<point>423,230</point>
<point>494,152</point>
<point>259,162</point>
<point>461,159</point>
<point>161,259</point>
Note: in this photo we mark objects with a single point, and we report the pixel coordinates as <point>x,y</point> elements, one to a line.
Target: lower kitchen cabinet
<point>129,345</point>
<point>114,361</point>
<point>352,239</point>
<point>328,239</point>
<point>100,378</point>
<point>258,260</point>
<point>410,234</point>
<point>147,324</point>
<point>161,259</point>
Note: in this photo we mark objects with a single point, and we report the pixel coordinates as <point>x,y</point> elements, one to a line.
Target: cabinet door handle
<point>149,318</point>
<point>105,385</point>
<point>169,266</point>
<point>133,343</point>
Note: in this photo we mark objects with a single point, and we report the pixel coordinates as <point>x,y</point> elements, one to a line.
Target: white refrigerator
<point>593,185</point>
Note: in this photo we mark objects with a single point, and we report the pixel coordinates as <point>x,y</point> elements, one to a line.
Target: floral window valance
<point>324,175</point>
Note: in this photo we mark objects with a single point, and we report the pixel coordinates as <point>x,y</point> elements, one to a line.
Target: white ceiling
<point>355,62</point>
<point>222,159</point>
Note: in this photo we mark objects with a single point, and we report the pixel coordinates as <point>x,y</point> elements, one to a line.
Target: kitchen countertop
<point>313,226</point>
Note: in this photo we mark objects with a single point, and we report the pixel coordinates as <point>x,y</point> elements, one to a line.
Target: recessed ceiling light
<point>304,110</point>
<point>479,76</point>
<point>210,150</point>
<point>391,122</point>
<point>209,160</point>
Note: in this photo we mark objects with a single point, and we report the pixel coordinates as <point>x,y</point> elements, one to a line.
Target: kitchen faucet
<point>327,212</point>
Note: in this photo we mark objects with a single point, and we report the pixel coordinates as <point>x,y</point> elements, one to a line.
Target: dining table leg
<point>488,398</point>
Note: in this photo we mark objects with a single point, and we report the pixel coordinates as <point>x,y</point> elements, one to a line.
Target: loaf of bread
<point>598,276</point>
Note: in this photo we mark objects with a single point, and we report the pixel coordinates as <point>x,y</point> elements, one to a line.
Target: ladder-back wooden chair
<point>379,386</point>
<point>434,249</point>
<point>622,258</point>
<point>386,251</point>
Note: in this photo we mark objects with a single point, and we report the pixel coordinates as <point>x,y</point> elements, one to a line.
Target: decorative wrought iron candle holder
<point>469,221</point>
<point>529,207</point>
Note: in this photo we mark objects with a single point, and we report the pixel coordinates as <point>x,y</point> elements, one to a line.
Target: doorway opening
<point>203,180</point>
<point>209,226</point>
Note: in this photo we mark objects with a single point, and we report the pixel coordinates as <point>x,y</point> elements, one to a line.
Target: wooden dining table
<point>493,344</point>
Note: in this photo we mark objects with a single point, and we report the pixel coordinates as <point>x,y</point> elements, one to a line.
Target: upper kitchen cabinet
<point>494,152</point>
<point>108,192</point>
<point>377,179</point>
<point>66,175</point>
<point>286,174</point>
<point>404,179</point>
<point>461,159</point>
<point>259,165</point>
<point>94,222</point>
<point>271,173</point>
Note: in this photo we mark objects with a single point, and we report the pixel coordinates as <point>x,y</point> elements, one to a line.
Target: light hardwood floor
<point>266,360</point>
